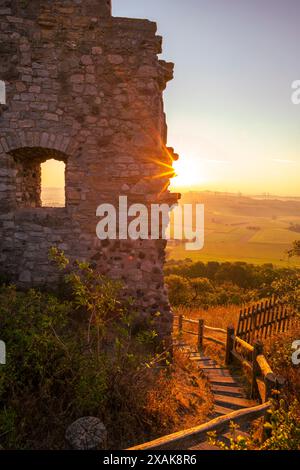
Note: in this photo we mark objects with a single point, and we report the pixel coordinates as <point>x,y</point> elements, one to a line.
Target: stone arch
<point>27,164</point>
<point>37,139</point>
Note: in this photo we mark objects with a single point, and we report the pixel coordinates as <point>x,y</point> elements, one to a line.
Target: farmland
<point>241,228</point>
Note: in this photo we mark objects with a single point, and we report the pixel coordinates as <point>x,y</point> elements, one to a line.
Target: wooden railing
<point>262,380</point>
<point>188,438</point>
<point>202,328</point>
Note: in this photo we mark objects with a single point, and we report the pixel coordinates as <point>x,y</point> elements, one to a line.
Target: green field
<point>246,229</point>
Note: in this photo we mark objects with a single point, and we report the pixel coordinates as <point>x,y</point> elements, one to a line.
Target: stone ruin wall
<point>85,88</point>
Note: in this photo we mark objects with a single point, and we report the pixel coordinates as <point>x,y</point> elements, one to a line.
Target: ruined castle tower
<point>84,88</point>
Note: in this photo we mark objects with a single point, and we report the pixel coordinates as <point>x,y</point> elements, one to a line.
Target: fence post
<point>180,325</point>
<point>273,384</point>
<point>200,335</point>
<point>270,383</point>
<point>229,344</point>
<point>257,351</point>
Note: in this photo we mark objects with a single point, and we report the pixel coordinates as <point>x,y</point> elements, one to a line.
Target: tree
<point>295,251</point>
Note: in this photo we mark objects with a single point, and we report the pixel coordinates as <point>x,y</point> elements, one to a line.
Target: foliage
<point>179,289</point>
<point>73,357</point>
<point>282,427</point>
<point>295,250</point>
<point>213,284</point>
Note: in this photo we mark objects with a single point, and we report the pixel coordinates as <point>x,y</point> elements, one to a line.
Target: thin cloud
<point>282,160</point>
<point>213,160</point>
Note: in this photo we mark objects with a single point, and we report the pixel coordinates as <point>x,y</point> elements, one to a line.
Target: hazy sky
<point>229,107</point>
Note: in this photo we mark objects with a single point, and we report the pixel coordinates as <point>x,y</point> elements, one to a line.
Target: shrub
<point>179,290</point>
<point>282,427</point>
<point>72,358</point>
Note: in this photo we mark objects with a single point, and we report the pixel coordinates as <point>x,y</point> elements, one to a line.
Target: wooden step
<point>217,380</point>
<point>204,446</point>
<point>222,410</point>
<point>211,373</point>
<point>201,360</point>
<point>213,367</point>
<point>234,402</point>
<point>207,365</point>
<point>228,390</point>
<point>204,363</point>
<point>196,355</point>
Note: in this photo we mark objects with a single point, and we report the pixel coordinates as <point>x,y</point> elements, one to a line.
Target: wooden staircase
<point>228,391</point>
<point>231,403</point>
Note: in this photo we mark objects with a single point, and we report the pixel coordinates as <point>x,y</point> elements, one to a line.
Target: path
<point>229,394</point>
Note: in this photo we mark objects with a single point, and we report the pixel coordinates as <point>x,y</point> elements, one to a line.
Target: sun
<point>190,173</point>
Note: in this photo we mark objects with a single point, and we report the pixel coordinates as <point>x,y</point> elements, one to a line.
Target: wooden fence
<point>262,380</point>
<point>264,384</point>
<point>188,438</point>
<point>263,320</point>
<point>202,328</point>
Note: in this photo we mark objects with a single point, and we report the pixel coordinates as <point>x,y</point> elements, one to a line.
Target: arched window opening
<point>40,177</point>
<point>2,92</point>
<point>53,183</point>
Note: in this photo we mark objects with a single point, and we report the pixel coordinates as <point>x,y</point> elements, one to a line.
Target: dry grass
<point>278,350</point>
<point>216,317</point>
<point>179,399</point>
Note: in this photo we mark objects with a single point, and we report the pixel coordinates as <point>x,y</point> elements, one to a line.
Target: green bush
<point>212,284</point>
<point>179,290</point>
<point>74,357</point>
<point>282,428</point>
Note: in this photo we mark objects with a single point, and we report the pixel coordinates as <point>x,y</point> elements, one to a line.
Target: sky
<point>229,108</point>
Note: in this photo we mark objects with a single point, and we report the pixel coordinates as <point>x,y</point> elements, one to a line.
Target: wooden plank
<point>216,330</point>
<point>233,402</point>
<point>205,362</point>
<point>216,379</point>
<point>249,317</point>
<point>205,446</point>
<point>193,322</point>
<point>220,373</point>
<point>261,389</point>
<point>222,410</point>
<point>228,390</point>
<point>244,344</point>
<point>264,365</point>
<point>213,367</point>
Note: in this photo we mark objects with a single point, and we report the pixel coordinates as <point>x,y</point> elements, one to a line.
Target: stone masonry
<point>85,88</point>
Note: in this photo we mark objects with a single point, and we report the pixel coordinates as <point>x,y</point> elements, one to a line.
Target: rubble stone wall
<point>85,88</point>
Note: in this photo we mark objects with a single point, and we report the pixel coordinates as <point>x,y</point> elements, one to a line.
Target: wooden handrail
<point>214,340</point>
<point>188,320</point>
<point>194,436</point>
<point>244,344</point>
<point>264,365</point>
<point>200,333</point>
<point>254,361</point>
<point>216,330</point>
